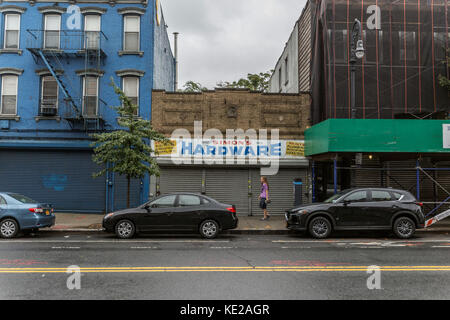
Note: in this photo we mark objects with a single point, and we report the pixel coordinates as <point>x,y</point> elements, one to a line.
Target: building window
<point>286,68</point>
<point>340,44</point>
<point>410,38</point>
<point>440,42</point>
<point>279,79</point>
<point>49,96</point>
<point>131,33</point>
<point>92,31</point>
<point>52,26</point>
<point>9,95</point>
<point>370,46</point>
<point>90,96</point>
<point>131,90</point>
<point>12,31</point>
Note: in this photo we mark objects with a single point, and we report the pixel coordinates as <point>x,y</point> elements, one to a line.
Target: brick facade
<point>231,109</point>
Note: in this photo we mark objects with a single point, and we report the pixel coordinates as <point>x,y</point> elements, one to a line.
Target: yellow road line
<point>226,269</point>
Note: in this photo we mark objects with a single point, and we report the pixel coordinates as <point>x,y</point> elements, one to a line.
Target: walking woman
<point>264,197</point>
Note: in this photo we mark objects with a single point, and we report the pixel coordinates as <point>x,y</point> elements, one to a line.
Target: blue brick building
<point>57,60</point>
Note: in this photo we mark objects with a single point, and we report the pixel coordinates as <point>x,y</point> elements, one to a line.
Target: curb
<point>239,231</point>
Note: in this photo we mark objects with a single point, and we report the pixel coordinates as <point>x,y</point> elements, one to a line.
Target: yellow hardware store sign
<point>295,149</point>
<point>166,148</point>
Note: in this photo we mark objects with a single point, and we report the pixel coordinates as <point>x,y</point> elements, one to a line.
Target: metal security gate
<point>229,186</point>
<point>63,178</point>
<point>238,186</point>
<point>281,190</point>
<point>179,180</point>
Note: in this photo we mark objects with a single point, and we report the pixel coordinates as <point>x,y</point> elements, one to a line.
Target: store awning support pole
<point>313,184</point>
<point>335,175</point>
<point>418,179</point>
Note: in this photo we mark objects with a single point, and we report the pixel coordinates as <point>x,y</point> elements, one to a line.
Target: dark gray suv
<point>360,209</point>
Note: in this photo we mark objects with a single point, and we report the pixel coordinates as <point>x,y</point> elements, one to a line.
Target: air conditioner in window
<point>48,108</point>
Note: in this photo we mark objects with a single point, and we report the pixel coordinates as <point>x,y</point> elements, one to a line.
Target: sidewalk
<point>247,225</point>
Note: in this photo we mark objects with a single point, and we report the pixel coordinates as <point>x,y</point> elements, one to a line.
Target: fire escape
<point>54,50</point>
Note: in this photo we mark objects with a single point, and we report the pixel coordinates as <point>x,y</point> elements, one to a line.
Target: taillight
<point>419,204</point>
<point>36,210</point>
<point>232,209</point>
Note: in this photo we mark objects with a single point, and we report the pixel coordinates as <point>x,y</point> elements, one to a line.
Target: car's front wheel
<point>320,228</point>
<point>125,229</point>
<point>209,229</point>
<point>404,228</point>
<point>9,228</point>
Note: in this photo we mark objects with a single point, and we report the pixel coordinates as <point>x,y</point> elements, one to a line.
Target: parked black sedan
<point>360,209</point>
<point>174,212</point>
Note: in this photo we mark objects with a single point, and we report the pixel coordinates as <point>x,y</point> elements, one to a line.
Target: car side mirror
<point>148,208</point>
<point>346,202</point>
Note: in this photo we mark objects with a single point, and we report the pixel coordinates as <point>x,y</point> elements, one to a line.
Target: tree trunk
<point>128,191</point>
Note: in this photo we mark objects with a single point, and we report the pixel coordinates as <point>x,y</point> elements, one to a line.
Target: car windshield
<point>336,196</point>
<point>21,198</point>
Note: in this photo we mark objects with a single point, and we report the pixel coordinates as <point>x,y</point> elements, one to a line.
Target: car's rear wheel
<point>125,229</point>
<point>320,228</point>
<point>9,228</point>
<point>404,227</point>
<point>209,229</point>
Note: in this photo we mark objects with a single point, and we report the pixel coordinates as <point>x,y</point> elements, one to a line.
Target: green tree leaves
<point>128,150</point>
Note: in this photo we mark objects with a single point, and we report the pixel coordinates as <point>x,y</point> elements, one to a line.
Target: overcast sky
<point>226,39</point>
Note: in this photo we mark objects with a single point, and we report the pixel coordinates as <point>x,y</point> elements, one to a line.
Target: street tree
<point>127,150</point>
<point>254,82</point>
<point>192,86</point>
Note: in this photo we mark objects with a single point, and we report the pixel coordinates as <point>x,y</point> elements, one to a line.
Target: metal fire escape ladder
<point>61,85</point>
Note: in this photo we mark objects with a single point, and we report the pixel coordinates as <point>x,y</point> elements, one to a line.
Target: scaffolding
<point>421,174</point>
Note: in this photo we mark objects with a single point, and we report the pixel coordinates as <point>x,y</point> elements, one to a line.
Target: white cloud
<point>226,39</point>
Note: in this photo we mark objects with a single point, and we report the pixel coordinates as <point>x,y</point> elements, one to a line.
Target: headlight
<point>301,211</point>
<point>109,215</point>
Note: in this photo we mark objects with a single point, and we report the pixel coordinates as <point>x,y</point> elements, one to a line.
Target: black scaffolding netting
<point>405,52</point>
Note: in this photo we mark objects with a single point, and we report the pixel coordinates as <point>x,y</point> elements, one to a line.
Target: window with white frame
<point>92,29</point>
<point>9,95</point>
<point>131,33</point>
<point>49,95</point>
<point>370,45</point>
<point>12,31</point>
<point>338,39</point>
<point>52,27</point>
<point>131,90</point>
<point>407,45</point>
<point>90,96</point>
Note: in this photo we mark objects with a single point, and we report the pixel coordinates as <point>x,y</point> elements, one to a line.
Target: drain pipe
<point>175,42</point>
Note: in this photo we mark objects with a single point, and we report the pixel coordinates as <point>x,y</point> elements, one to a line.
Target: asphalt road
<point>231,267</point>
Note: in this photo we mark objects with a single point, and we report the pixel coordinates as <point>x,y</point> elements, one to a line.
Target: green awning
<point>378,135</point>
